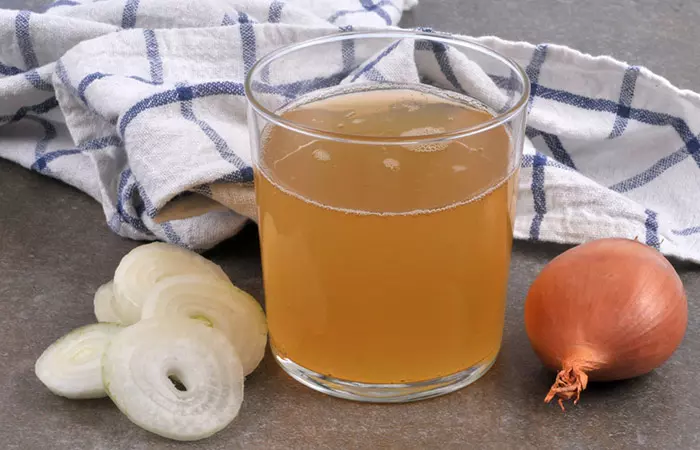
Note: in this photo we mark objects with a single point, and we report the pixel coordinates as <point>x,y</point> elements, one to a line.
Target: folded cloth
<point>142,118</point>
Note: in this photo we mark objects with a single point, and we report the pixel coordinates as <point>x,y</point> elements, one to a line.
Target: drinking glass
<point>386,169</point>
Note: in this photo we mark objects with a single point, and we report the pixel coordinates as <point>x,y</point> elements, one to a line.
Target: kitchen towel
<point>140,104</point>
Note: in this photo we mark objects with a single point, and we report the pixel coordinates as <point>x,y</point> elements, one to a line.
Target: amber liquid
<point>386,263</point>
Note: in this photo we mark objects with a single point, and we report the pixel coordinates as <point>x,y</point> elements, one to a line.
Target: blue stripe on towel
<point>129,14</point>
<point>652,229</point>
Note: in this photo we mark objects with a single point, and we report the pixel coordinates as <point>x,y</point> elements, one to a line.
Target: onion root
<point>570,382</point>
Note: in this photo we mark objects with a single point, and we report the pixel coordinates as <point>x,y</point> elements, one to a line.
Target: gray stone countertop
<point>55,249</point>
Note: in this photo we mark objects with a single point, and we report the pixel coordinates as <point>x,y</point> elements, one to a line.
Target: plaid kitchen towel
<point>140,102</point>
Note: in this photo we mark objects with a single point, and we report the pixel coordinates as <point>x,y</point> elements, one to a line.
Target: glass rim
<point>497,120</point>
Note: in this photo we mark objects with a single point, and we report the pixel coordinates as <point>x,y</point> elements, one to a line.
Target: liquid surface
<point>386,264</point>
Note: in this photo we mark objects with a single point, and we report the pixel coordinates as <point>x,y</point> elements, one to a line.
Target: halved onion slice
<point>144,266</point>
<point>104,304</point>
<point>71,366</point>
<point>174,377</point>
<point>216,303</point>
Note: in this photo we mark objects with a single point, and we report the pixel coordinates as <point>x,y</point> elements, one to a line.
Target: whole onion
<point>605,310</point>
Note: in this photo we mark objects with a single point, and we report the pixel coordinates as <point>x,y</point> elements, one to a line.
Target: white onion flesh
<point>138,364</point>
<point>217,303</point>
<point>144,266</point>
<point>71,366</point>
<point>104,304</point>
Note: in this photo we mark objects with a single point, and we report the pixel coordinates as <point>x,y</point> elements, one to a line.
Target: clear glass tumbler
<point>386,168</point>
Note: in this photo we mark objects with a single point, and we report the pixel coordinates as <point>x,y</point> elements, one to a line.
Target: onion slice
<point>216,303</point>
<point>144,266</point>
<point>174,377</point>
<point>104,304</point>
<point>71,366</point>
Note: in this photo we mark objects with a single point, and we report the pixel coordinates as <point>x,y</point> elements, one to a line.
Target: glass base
<point>383,393</point>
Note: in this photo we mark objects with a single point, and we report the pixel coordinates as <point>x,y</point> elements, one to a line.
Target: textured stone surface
<point>55,250</point>
<point>32,5</point>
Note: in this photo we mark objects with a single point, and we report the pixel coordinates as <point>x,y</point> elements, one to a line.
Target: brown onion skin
<point>613,308</point>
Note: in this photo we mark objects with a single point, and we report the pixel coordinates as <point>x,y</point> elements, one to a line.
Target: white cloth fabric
<point>138,102</point>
